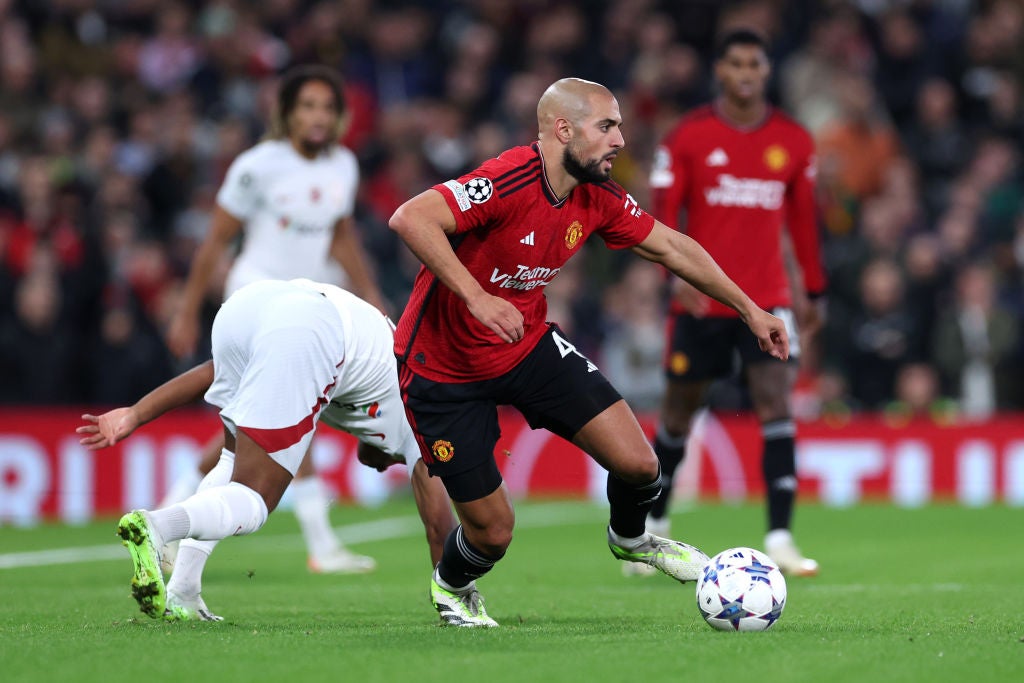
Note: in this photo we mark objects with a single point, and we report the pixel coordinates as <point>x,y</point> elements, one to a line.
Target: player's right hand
<point>500,317</point>
<point>182,335</point>
<point>107,429</point>
<point>689,297</point>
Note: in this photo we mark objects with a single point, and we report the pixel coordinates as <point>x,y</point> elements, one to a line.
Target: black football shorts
<point>456,424</point>
<point>706,348</point>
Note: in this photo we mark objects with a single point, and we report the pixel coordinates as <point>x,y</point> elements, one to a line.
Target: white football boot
<point>779,546</point>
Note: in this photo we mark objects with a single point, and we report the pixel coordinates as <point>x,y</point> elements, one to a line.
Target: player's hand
<point>500,317</point>
<point>689,297</point>
<point>182,334</point>
<point>107,429</point>
<point>771,334</point>
<point>371,456</point>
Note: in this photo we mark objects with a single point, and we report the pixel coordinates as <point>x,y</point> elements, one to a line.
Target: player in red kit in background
<point>474,334</point>
<point>741,171</point>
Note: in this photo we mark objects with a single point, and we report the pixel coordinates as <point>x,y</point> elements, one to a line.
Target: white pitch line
<point>541,515</point>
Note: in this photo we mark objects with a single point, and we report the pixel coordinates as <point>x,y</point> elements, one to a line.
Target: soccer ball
<point>741,589</point>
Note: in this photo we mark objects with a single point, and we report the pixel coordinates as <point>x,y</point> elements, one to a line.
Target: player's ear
<point>563,130</point>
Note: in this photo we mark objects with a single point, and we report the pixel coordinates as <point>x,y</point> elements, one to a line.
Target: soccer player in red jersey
<point>474,335</point>
<point>741,171</point>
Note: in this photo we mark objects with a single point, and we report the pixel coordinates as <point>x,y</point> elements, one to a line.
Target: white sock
<point>171,521</point>
<point>778,537</point>
<point>187,579</point>
<point>311,509</point>
<point>168,524</point>
<point>450,588</point>
<point>627,543</point>
<point>222,511</point>
<point>182,487</point>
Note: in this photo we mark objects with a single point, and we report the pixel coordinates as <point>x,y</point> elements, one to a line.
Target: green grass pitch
<point>930,594</point>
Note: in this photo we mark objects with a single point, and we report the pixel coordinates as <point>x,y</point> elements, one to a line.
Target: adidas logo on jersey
<point>528,240</point>
<point>718,157</point>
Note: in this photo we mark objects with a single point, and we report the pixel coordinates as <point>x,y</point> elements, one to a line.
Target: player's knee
<point>495,540</point>
<point>249,510</point>
<point>677,414</point>
<point>639,470</point>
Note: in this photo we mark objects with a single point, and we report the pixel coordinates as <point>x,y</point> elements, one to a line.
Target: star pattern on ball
<point>733,611</point>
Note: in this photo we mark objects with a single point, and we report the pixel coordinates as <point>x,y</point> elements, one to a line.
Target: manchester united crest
<point>573,234</point>
<point>679,363</point>
<point>776,157</point>
<point>443,450</point>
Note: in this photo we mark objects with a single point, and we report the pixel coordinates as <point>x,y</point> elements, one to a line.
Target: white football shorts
<point>286,354</point>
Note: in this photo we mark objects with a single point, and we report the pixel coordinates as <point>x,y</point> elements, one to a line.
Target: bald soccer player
<point>474,336</point>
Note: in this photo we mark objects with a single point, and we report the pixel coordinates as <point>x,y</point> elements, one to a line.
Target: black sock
<point>779,467</point>
<point>630,505</point>
<point>671,450</point>
<point>461,563</point>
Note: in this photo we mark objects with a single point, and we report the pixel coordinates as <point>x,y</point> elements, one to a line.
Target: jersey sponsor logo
<point>479,190</point>
<point>718,157</point>
<point>750,193</point>
<point>383,437</point>
<point>459,192</point>
<point>525,277</point>
<point>370,409</point>
<point>573,234</point>
<point>286,223</point>
<point>776,157</point>
<point>528,240</point>
<point>443,450</point>
<point>661,169</point>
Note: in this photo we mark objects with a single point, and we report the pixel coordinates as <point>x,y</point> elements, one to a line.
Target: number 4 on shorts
<point>565,348</point>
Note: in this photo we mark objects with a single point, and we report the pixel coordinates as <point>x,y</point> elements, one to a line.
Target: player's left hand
<point>107,429</point>
<point>374,457</point>
<point>771,334</point>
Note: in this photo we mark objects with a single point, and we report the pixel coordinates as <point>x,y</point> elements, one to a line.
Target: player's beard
<point>311,148</point>
<point>589,172</point>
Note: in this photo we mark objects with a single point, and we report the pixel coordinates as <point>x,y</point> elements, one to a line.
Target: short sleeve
<point>239,194</point>
<point>625,223</point>
<point>472,197</point>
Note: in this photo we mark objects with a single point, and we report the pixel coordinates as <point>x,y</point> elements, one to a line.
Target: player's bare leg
<point>771,388</point>
<point>614,439</point>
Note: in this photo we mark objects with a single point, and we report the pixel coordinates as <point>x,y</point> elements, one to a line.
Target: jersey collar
<point>717,111</point>
<point>549,194</point>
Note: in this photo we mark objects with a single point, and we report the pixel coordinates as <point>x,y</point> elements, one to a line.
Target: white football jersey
<point>289,205</point>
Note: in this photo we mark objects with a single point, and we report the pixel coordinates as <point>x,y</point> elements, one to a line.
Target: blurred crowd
<point>118,119</point>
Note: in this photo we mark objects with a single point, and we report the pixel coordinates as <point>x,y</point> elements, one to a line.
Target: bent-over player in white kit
<point>285,355</point>
<point>291,199</point>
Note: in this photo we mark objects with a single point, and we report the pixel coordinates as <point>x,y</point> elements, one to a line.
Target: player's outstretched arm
<point>115,425</point>
<point>424,223</point>
<point>688,260</point>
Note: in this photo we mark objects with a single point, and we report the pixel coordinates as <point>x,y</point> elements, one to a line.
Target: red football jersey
<point>513,235</point>
<point>739,187</point>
